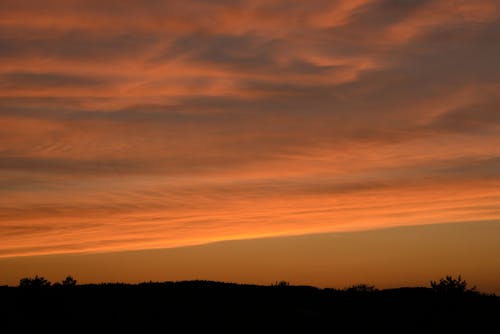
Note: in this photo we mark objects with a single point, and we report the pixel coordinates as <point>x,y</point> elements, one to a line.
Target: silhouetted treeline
<point>448,306</point>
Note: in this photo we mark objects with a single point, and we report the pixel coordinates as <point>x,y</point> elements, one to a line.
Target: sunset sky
<point>129,127</point>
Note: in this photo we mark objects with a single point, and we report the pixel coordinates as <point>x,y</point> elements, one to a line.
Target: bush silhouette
<point>361,288</point>
<point>281,284</point>
<point>450,285</point>
<point>34,283</point>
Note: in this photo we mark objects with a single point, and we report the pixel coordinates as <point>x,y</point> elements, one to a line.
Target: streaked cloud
<point>150,124</point>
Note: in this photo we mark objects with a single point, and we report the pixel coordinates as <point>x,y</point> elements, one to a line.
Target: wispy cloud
<point>148,124</point>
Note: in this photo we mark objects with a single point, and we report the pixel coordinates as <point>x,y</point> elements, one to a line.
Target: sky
<point>140,125</point>
<point>385,258</point>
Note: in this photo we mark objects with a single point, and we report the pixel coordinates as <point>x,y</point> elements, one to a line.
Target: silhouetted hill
<point>227,307</point>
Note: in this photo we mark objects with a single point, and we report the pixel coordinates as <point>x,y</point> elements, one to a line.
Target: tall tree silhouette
<point>69,281</point>
<point>450,285</point>
<point>36,282</point>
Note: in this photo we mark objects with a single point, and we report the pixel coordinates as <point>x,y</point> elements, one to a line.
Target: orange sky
<point>131,125</point>
<point>386,258</point>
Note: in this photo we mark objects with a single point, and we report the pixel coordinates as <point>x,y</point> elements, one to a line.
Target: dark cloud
<point>30,80</point>
<point>236,51</point>
<point>69,166</point>
<point>75,45</point>
<point>455,55</point>
<point>39,107</point>
<point>467,168</point>
<point>472,118</point>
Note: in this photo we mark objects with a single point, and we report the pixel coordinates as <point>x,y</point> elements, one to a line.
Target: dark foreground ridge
<point>173,307</point>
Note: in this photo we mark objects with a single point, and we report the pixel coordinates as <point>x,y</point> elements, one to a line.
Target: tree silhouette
<point>69,281</point>
<point>450,285</point>
<point>36,282</point>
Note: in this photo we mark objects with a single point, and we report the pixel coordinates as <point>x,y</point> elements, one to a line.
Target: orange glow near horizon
<point>131,125</point>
